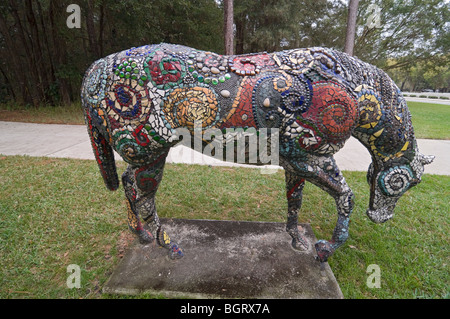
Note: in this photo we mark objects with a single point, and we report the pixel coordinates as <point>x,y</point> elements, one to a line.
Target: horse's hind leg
<point>294,194</point>
<point>141,184</point>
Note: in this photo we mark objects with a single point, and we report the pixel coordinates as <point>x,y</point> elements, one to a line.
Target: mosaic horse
<point>316,98</point>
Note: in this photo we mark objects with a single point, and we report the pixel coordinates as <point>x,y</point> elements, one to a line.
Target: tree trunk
<point>102,28</point>
<point>59,51</point>
<point>228,27</point>
<point>93,43</point>
<point>32,77</point>
<point>403,85</point>
<point>351,26</point>
<point>240,34</point>
<point>9,86</point>
<point>51,69</point>
<point>18,75</point>
<point>41,66</point>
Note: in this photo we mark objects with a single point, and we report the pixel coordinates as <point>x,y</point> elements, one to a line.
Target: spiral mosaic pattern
<point>95,83</point>
<point>165,71</point>
<point>333,110</point>
<point>396,180</point>
<point>127,103</point>
<point>370,105</point>
<point>188,105</point>
<point>299,95</point>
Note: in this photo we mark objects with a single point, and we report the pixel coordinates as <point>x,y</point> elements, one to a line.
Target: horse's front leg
<point>294,194</point>
<point>326,248</point>
<point>326,175</point>
<point>338,188</point>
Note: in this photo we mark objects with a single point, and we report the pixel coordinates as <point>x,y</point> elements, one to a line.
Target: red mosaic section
<point>333,110</point>
<point>241,114</point>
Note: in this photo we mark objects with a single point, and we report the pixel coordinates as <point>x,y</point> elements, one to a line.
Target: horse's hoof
<point>300,243</point>
<point>145,237</point>
<point>324,250</point>
<point>175,252</point>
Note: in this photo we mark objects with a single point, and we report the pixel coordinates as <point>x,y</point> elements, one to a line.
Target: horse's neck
<point>385,127</point>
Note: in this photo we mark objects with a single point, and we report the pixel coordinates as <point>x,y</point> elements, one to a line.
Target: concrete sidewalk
<point>426,100</point>
<point>72,141</point>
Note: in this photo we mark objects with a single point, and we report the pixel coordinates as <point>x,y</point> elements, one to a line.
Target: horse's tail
<point>91,94</point>
<point>103,152</point>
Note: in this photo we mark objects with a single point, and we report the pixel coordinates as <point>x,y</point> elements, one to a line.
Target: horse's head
<point>389,182</point>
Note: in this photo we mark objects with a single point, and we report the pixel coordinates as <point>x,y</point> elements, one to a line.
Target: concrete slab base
<point>225,259</point>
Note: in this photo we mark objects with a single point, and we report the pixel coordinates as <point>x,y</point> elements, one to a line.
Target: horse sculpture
<point>134,102</point>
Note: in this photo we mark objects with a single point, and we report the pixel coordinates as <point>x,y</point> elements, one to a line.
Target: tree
<point>351,26</point>
<point>228,27</point>
<point>409,31</point>
<point>267,25</point>
<point>42,60</point>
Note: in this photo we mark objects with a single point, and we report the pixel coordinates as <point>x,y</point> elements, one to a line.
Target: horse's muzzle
<point>379,216</point>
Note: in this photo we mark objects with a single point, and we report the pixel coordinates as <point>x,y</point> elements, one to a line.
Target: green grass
<point>430,120</point>
<point>71,114</point>
<point>57,212</point>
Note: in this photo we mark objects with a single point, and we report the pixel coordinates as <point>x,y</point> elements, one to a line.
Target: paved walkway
<point>426,100</point>
<point>72,141</point>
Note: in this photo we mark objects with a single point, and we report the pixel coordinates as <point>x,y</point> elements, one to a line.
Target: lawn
<point>57,212</point>
<point>70,114</point>
<point>430,120</point>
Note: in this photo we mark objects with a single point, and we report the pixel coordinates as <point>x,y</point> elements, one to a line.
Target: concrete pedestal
<point>225,259</point>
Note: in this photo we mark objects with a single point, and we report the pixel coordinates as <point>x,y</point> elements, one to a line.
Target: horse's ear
<point>426,159</point>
